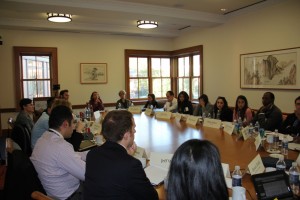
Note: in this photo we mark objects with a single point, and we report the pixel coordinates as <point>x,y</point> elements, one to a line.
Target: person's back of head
<point>58,115</point>
<point>115,124</point>
<point>196,172</point>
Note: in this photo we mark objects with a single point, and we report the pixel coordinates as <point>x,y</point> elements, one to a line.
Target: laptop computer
<point>86,145</point>
<point>271,185</point>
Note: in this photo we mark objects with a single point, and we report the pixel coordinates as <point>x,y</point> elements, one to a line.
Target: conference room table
<point>165,136</point>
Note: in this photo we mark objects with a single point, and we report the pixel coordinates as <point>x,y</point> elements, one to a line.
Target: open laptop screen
<point>272,185</point>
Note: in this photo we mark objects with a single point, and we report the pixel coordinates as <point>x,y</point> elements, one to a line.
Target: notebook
<point>271,185</point>
<point>86,144</point>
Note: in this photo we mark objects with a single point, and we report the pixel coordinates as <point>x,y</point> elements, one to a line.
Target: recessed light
<point>223,9</point>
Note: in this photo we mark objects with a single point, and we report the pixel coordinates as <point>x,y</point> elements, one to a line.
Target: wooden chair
<point>36,195</point>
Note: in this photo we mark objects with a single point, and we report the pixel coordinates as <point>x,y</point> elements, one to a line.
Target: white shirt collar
<point>56,132</point>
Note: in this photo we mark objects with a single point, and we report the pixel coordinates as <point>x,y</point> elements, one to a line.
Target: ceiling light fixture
<point>58,17</point>
<point>146,24</point>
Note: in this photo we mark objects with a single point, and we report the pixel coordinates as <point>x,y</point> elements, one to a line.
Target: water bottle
<point>203,115</point>
<point>208,116</point>
<point>285,146</point>
<point>276,140</point>
<point>119,106</point>
<point>251,129</point>
<point>280,165</point>
<point>256,127</point>
<point>236,126</point>
<point>236,176</point>
<point>218,114</point>
<point>240,124</point>
<point>88,112</point>
<point>294,178</point>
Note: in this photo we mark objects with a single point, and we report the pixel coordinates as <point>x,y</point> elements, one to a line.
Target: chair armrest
<point>39,196</point>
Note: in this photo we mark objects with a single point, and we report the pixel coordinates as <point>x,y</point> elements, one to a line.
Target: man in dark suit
<point>111,173</point>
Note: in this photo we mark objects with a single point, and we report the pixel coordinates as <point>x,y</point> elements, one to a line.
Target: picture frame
<point>93,73</point>
<point>276,69</point>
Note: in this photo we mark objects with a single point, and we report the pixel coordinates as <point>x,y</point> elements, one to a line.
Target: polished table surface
<point>165,136</point>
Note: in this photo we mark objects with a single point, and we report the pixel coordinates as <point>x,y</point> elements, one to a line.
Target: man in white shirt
<point>59,167</point>
<point>171,104</point>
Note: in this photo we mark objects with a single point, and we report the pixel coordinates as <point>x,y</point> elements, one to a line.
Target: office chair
<point>22,136</point>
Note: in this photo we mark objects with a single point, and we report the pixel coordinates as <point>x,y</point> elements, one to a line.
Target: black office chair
<point>22,136</point>
<point>21,178</point>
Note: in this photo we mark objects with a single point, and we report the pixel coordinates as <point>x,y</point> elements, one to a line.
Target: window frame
<point>173,55</point>
<point>34,51</point>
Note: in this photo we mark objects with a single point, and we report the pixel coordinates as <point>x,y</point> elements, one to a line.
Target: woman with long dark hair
<point>196,173</point>
<point>184,104</point>
<point>96,102</point>
<point>204,108</point>
<point>151,102</point>
<point>221,110</point>
<point>242,110</point>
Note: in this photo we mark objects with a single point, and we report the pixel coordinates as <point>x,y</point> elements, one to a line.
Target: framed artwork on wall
<point>277,69</point>
<point>91,73</point>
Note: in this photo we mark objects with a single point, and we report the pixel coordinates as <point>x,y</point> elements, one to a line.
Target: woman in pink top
<point>242,110</point>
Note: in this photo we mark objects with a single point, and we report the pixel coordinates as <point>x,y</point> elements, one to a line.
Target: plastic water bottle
<point>203,115</point>
<point>119,106</point>
<point>285,146</point>
<point>251,129</point>
<point>280,165</point>
<point>218,114</point>
<point>276,140</point>
<point>88,112</point>
<point>256,127</point>
<point>236,176</point>
<point>236,126</point>
<point>240,124</point>
<point>294,178</point>
<point>208,116</point>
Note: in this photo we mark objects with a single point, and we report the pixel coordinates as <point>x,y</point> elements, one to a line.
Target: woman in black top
<point>184,104</point>
<point>151,102</point>
<point>221,110</point>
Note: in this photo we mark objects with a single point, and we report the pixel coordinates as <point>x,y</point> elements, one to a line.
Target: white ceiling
<point>120,17</point>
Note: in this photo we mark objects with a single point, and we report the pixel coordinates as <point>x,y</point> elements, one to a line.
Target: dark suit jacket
<point>113,174</point>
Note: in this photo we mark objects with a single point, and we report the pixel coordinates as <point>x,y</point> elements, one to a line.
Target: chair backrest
<point>22,136</point>
<point>21,177</point>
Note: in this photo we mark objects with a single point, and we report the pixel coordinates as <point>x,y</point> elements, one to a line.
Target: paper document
<point>156,174</point>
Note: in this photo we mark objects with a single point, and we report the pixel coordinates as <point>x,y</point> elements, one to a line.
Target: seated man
<point>24,118</point>
<point>111,173</point>
<point>59,168</point>
<point>269,116</point>
<point>64,94</point>
<point>171,104</point>
<point>291,124</point>
<point>42,125</point>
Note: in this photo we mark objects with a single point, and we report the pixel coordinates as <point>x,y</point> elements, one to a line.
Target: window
<point>159,71</point>
<point>36,71</point>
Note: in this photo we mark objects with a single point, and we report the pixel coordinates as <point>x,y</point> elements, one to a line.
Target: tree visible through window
<point>159,71</point>
<point>36,71</point>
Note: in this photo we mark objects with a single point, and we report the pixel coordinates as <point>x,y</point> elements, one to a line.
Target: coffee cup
<point>99,139</point>
<point>238,193</point>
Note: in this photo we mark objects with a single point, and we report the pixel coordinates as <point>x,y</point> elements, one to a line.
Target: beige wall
<point>74,49</point>
<point>275,27</point>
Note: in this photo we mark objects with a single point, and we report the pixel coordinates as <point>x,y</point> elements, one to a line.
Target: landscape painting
<point>277,69</point>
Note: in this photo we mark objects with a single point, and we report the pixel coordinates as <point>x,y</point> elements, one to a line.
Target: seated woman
<point>204,108</point>
<point>96,102</point>
<point>291,124</point>
<point>184,104</point>
<point>221,110</point>
<point>242,110</point>
<point>196,172</point>
<point>123,103</point>
<point>151,102</point>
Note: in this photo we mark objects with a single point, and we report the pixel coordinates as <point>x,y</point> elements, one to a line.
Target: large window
<point>36,71</point>
<point>159,71</point>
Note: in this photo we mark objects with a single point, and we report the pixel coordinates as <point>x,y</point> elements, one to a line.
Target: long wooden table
<point>166,136</point>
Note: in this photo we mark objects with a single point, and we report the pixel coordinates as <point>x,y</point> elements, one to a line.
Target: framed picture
<point>277,69</point>
<point>93,73</point>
